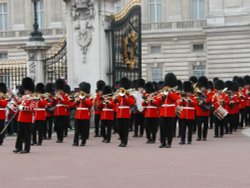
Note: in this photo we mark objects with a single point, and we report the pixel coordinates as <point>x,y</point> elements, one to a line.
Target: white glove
<point>21,107</point>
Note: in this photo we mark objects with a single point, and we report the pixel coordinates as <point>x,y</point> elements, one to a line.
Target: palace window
<point>155,10</point>
<point>3,17</point>
<point>40,13</point>
<point>199,70</point>
<point>3,56</point>
<point>155,50</point>
<point>198,47</point>
<point>198,9</point>
<point>156,74</point>
<point>118,6</point>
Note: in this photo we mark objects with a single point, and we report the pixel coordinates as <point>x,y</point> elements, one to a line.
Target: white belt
<point>106,109</point>
<point>59,105</point>
<point>82,108</point>
<point>187,108</point>
<point>151,107</point>
<point>123,107</point>
<point>2,108</point>
<point>168,105</point>
<point>39,109</point>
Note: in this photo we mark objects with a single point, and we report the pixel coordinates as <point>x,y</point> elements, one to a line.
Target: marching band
<point>191,105</point>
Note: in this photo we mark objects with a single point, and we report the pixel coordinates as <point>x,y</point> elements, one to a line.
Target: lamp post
<point>35,35</point>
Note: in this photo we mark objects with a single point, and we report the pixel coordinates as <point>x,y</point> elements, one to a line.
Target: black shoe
<point>96,136</point>
<point>162,146</point>
<point>152,142</point>
<point>135,135</point>
<point>107,141</point>
<point>141,135</point>
<point>82,144</point>
<point>215,136</point>
<point>39,144</point>
<point>182,143</point>
<point>198,139</point>
<point>189,143</point>
<point>24,151</point>
<point>103,140</point>
<point>120,145</point>
<point>59,141</point>
<point>123,145</point>
<point>34,144</point>
<point>75,144</point>
<point>168,146</point>
<point>148,142</point>
<point>204,139</point>
<point>17,150</point>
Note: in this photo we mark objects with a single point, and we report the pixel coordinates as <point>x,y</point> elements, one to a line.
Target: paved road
<point>216,163</point>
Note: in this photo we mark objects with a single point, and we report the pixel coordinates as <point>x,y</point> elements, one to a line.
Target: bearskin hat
<point>125,83</point>
<point>106,90</point>
<point>40,88</point>
<point>210,85</point>
<point>140,83</point>
<point>100,84</point>
<point>235,86</point>
<point>67,89</point>
<point>241,82</point>
<point>3,88</point>
<point>193,79</point>
<point>229,85</point>
<point>170,80</point>
<point>247,80</point>
<point>49,88</point>
<point>203,81</point>
<point>20,90</point>
<point>60,83</point>
<point>187,86</point>
<point>84,86</point>
<point>28,84</point>
<point>179,84</point>
<point>219,85</point>
<point>149,87</point>
<point>215,79</point>
<point>235,79</point>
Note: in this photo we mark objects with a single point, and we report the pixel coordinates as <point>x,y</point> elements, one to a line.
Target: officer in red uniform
<point>220,100</point>
<point>187,104</point>
<point>247,93</point>
<point>243,102</point>
<point>124,101</point>
<point>97,101</point>
<point>151,112</point>
<point>61,101</point>
<point>3,104</point>
<point>210,93</point>
<point>83,104</point>
<point>202,108</point>
<point>40,115</point>
<point>167,111</point>
<point>25,117</point>
<point>50,109</point>
<point>107,114</point>
<point>67,126</point>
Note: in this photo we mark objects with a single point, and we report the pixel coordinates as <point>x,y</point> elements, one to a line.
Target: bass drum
<point>139,100</point>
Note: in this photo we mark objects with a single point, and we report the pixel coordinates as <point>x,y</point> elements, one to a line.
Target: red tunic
<point>187,107</point>
<point>152,108</point>
<point>201,111</point>
<point>61,105</point>
<point>220,100</point>
<point>83,108</point>
<point>233,106</point>
<point>123,106</point>
<point>168,105</point>
<point>97,103</point>
<point>26,110</point>
<point>3,104</point>
<point>107,110</point>
<point>40,112</point>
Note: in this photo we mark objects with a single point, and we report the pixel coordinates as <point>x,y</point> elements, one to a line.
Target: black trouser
<point>106,129</point>
<point>81,128</point>
<point>219,127</point>
<point>97,123</point>
<point>123,129</point>
<point>186,123</point>
<point>151,125</point>
<point>59,126</point>
<point>139,121</point>
<point>166,129</point>
<point>211,119</point>
<point>23,134</point>
<point>248,116</point>
<point>202,120</point>
<point>38,128</point>
<point>195,125</point>
<point>232,122</point>
<point>242,117</point>
<point>1,128</point>
<point>49,127</point>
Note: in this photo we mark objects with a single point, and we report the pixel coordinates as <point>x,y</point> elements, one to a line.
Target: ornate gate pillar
<point>87,42</point>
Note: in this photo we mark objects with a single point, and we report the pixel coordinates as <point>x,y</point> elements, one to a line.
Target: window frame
<point>3,16</point>
<point>155,4</point>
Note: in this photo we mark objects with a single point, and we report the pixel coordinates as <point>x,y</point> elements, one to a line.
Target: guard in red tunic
<point>107,114</point>
<point>50,110</point>
<point>203,108</point>
<point>40,115</point>
<point>167,110</point>
<point>61,101</point>
<point>151,114</point>
<point>83,104</point>
<point>247,93</point>
<point>25,117</point>
<point>3,104</point>
<point>220,102</point>
<point>67,126</point>
<point>124,101</point>
<point>97,101</point>
<point>243,102</point>
<point>187,104</point>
